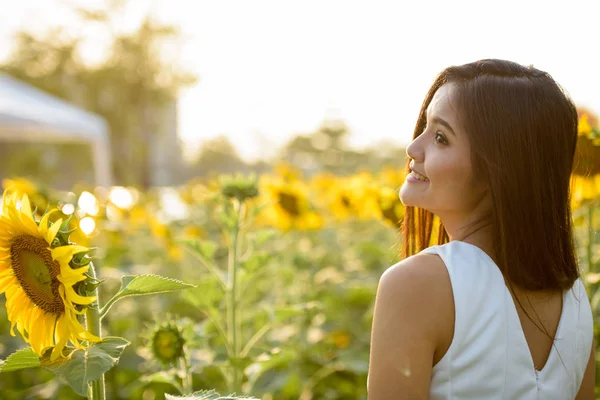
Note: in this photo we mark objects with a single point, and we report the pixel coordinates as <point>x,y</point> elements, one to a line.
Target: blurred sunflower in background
<point>390,207</point>
<point>391,177</point>
<point>197,191</point>
<point>288,206</point>
<point>585,180</point>
<point>39,197</point>
<point>163,232</point>
<point>43,278</point>
<point>167,343</point>
<point>341,339</point>
<point>287,172</point>
<point>354,197</point>
<point>20,185</point>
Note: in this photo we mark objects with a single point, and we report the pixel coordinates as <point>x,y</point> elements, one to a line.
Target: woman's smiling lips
<point>411,178</point>
<point>415,176</point>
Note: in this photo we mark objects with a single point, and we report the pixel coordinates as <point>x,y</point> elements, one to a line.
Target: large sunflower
<point>38,279</point>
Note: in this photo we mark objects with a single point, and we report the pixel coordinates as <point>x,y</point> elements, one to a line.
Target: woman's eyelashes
<point>436,135</point>
<point>439,135</point>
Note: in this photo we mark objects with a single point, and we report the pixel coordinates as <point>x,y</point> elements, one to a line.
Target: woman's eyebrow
<point>443,122</point>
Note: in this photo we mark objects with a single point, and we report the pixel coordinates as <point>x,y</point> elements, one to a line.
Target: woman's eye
<point>438,135</point>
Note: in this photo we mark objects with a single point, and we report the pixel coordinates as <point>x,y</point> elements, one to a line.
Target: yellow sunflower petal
<point>49,233</point>
<point>73,309</point>
<point>79,330</point>
<point>6,280</point>
<point>62,335</point>
<point>67,251</point>
<point>69,276</point>
<point>83,334</point>
<point>24,215</point>
<point>36,330</point>
<point>75,298</point>
<point>26,207</point>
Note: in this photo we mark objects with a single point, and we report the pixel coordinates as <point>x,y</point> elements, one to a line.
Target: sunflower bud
<point>166,343</point>
<point>239,187</point>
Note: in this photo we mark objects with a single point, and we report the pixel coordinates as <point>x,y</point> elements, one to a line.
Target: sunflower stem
<point>590,240</point>
<point>96,390</point>
<point>232,326</point>
<point>186,372</point>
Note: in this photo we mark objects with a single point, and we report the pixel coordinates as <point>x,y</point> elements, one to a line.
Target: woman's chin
<point>409,199</point>
<point>406,196</point>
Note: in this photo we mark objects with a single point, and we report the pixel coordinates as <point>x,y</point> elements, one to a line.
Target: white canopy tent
<point>29,114</point>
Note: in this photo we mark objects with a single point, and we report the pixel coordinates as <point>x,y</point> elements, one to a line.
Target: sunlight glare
<point>87,225</point>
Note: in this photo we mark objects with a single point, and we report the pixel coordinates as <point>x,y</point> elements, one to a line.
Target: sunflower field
<point>256,286</point>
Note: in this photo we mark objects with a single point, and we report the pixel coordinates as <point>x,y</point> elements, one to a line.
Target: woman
<point>496,309</point>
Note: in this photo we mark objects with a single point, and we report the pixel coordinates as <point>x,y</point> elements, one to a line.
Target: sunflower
<point>289,206</point>
<point>21,185</point>
<point>163,233</point>
<point>340,339</point>
<point>354,197</point>
<point>390,207</point>
<point>584,127</point>
<point>38,280</point>
<point>167,343</point>
<point>38,196</point>
<point>584,189</point>
<point>392,177</point>
<point>585,180</point>
<point>287,172</point>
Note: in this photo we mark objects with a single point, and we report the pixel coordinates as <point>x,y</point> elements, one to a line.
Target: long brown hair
<point>522,129</point>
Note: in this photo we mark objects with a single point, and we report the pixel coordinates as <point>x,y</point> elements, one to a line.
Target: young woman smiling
<point>496,309</point>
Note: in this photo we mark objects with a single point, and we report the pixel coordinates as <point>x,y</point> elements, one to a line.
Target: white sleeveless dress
<point>489,357</point>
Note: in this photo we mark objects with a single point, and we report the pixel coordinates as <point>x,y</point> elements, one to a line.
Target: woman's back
<point>489,356</point>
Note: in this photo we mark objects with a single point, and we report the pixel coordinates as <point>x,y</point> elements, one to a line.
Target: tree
<point>218,155</point>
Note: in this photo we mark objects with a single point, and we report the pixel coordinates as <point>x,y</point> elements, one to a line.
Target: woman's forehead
<point>442,103</point>
<point>443,106</point>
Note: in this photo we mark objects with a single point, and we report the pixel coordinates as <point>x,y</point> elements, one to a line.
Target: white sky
<point>272,69</point>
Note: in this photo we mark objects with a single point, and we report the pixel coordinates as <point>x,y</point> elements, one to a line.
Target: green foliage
<point>86,365</point>
<point>168,377</point>
<point>138,285</point>
<point>20,359</point>
<point>205,395</point>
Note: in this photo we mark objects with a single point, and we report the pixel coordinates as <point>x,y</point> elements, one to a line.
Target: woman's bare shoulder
<point>411,304</point>
<point>422,284</point>
<point>421,269</point>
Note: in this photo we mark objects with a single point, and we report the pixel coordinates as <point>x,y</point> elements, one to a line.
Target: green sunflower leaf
<point>20,359</point>
<point>139,285</point>
<point>87,365</point>
<point>163,377</point>
<point>205,395</point>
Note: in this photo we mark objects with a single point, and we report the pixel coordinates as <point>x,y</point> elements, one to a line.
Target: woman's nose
<point>414,151</point>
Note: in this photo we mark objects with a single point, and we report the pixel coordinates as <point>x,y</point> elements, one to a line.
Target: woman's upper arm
<point>406,328</point>
<point>586,390</point>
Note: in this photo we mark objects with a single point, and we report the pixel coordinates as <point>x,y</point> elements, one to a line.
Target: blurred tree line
<point>136,90</point>
<point>325,149</point>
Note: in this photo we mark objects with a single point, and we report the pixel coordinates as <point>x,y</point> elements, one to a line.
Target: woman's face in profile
<point>442,154</point>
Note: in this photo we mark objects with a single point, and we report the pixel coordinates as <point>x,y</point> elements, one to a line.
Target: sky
<point>269,70</point>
